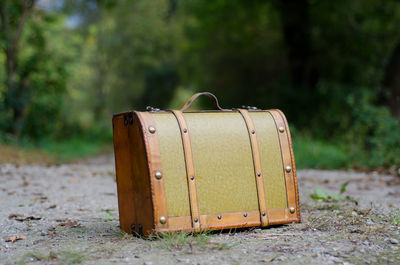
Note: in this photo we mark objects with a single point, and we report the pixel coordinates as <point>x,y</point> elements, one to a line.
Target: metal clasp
<point>249,107</point>
<point>150,108</point>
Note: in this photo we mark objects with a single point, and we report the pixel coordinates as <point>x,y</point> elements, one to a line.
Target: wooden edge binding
<point>296,187</point>
<point>155,170</point>
<point>230,220</point>
<point>258,172</point>
<point>288,166</point>
<point>190,170</point>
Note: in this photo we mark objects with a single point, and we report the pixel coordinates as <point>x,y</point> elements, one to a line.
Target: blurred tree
<point>14,15</point>
<point>35,75</point>
<point>391,81</point>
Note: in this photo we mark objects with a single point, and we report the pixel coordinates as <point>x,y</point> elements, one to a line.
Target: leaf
<point>344,187</point>
<point>21,218</point>
<point>15,238</point>
<point>319,194</point>
<point>70,224</point>
<point>335,197</point>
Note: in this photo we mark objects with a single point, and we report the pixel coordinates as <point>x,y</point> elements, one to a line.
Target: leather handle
<point>195,96</point>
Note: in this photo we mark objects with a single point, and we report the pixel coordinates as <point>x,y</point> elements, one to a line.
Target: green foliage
<point>374,137</point>
<point>322,62</point>
<point>322,195</point>
<point>396,217</point>
<point>312,153</point>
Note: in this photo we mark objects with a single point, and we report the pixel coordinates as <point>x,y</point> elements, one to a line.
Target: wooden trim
<point>211,222</point>
<point>190,170</point>
<point>229,220</point>
<point>287,160</point>
<point>296,187</point>
<point>154,163</point>
<point>258,172</point>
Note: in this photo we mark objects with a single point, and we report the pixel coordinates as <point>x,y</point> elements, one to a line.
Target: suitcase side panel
<point>133,184</point>
<point>123,168</point>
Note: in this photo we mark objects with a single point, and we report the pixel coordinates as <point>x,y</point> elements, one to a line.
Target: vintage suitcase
<point>203,170</point>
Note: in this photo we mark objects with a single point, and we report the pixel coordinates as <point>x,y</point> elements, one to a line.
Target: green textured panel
<point>223,161</point>
<point>173,164</point>
<point>271,159</point>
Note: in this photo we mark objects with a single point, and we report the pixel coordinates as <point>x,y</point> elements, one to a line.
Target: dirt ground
<point>68,214</point>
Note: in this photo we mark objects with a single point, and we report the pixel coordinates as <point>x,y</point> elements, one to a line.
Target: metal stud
<point>158,174</point>
<point>288,168</point>
<point>245,214</point>
<point>292,209</point>
<point>281,129</point>
<point>185,130</point>
<point>196,220</point>
<point>253,131</point>
<point>163,220</point>
<point>263,214</point>
<point>152,129</point>
<point>219,216</point>
<point>192,177</point>
<point>259,174</point>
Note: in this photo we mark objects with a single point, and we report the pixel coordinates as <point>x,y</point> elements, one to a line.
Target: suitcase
<point>204,170</point>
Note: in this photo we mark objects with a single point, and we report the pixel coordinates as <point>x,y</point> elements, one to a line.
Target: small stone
<point>42,233</point>
<point>353,213</point>
<point>136,256</point>
<point>394,241</point>
<point>147,263</point>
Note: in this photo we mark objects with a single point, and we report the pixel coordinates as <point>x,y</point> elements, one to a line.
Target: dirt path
<point>69,215</point>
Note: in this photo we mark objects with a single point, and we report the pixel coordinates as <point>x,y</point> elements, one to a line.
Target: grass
<point>49,151</point>
<point>396,217</point>
<point>311,153</point>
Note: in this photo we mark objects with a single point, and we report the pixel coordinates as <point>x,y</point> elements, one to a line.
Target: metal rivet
<point>185,130</point>
<point>288,168</point>
<point>281,129</point>
<point>219,216</point>
<point>292,209</point>
<point>245,214</point>
<point>253,131</point>
<point>259,174</point>
<point>152,129</point>
<point>196,220</point>
<point>158,174</point>
<point>192,177</point>
<point>263,214</point>
<point>163,220</point>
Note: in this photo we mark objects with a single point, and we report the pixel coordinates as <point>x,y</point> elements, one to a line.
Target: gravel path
<point>68,214</point>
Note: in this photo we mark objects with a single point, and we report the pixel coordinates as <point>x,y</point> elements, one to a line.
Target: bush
<point>374,137</point>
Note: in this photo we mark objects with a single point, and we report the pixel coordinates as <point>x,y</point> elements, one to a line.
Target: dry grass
<point>22,156</point>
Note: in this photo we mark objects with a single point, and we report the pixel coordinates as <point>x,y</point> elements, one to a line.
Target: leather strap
<point>195,96</point>
<point>190,170</point>
<point>154,163</point>
<point>262,203</point>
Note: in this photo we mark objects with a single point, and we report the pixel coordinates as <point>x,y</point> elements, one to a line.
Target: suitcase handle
<point>195,96</point>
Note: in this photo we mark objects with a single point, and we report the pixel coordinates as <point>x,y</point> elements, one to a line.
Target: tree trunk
<point>297,34</point>
<point>391,81</point>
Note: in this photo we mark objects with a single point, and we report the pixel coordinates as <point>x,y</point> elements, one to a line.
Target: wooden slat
<point>258,172</point>
<point>154,162</point>
<point>287,159</point>
<point>190,170</point>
